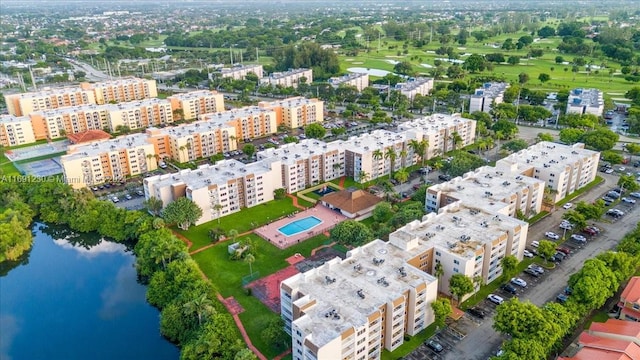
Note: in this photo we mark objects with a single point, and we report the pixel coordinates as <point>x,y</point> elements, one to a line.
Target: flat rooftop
<point>49,92</point>
<point>239,68</point>
<point>348,77</point>
<point>137,104</point>
<point>8,119</point>
<point>547,155</point>
<point>291,153</point>
<point>117,82</point>
<point>432,123</point>
<point>585,97</point>
<point>413,83</point>
<point>284,74</point>
<point>375,140</point>
<point>335,286</point>
<point>71,109</point>
<point>99,147</point>
<point>295,101</point>
<point>194,94</point>
<point>490,90</point>
<point>206,175</point>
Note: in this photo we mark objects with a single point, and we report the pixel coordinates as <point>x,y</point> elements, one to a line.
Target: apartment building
<point>415,86</point>
<point>585,101</point>
<point>486,96</point>
<point>629,303</point>
<point>15,130</point>
<point>376,154</point>
<point>289,78</point>
<point>498,189</point>
<point>57,123</point>
<point>48,99</point>
<point>563,168</point>
<point>358,80</point>
<point>238,72</point>
<point>309,162</point>
<point>356,307</point>
<point>297,111</point>
<point>196,103</point>
<point>463,239</point>
<point>110,160</point>
<point>139,114</point>
<point>439,131</point>
<point>220,189</point>
<point>122,90</point>
<point>612,340</point>
<point>249,122</point>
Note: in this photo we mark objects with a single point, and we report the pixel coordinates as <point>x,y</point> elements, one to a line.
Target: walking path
<point>342,179</point>
<point>313,252</point>
<point>214,244</point>
<point>295,202</point>
<point>246,338</point>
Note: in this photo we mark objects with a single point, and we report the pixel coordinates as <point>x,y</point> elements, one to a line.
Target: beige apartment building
<point>356,307</point>
<point>289,78</point>
<point>585,101</point>
<point>370,154</point>
<point>110,160</point>
<point>122,90</point>
<point>415,86</point>
<point>15,130</point>
<point>297,111</point>
<point>249,122</point>
<point>220,189</point>
<point>27,103</point>
<point>438,130</point>
<point>307,163</point>
<point>57,123</point>
<point>358,80</point>
<point>139,114</point>
<point>238,72</point>
<point>563,168</point>
<point>196,103</point>
<point>488,95</point>
<point>499,189</point>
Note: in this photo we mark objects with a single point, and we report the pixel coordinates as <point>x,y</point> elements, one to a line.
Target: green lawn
<point>409,346</point>
<point>6,166</point>
<point>226,275</point>
<point>582,190</point>
<point>240,221</point>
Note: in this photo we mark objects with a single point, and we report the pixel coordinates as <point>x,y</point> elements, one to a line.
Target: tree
<point>462,163</point>
<point>628,182</point>
<point>591,211</point>
<point>621,263</point>
<point>632,148</point>
<point>475,63</point>
<point>600,139</point>
<point>382,212</point>
<point>419,148</point>
<point>352,233</point>
<point>612,156</point>
<point>545,137</point>
<point>438,271</point>
<point>529,349</point>
<point>456,139</point>
<point>509,265</point>
<point>514,60</point>
<point>441,309</point>
<point>570,135</point>
<point>279,193</point>
<point>544,77</point>
<point>515,145</point>
<point>593,284</point>
<point>201,306</point>
<point>274,333</point>
<point>546,249</point>
<point>182,212</point>
<point>249,150</point>
<point>507,128</point>
<point>391,155</point>
<point>153,205</point>
<point>404,68</point>
<point>245,354</point>
<point>524,320</point>
<point>315,131</point>
<point>401,176</point>
<point>250,259</point>
<point>460,285</point>
<point>546,32</point>
<point>576,218</point>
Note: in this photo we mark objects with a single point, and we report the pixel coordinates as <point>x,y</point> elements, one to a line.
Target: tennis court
<point>40,168</point>
<point>34,151</point>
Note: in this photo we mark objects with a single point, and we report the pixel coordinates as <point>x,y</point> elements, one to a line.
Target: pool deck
<point>329,219</point>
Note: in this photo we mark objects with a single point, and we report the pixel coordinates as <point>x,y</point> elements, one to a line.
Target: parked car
<point>535,244</point>
<point>435,346</point>
<point>628,200</point>
<point>477,313</point>
<point>567,206</point>
<point>552,235</point>
<point>532,250</point>
<point>589,231</point>
<point>128,197</point>
<point>537,268</point>
<point>608,171</point>
<point>444,177</point>
<point>594,228</point>
<point>613,195</point>
<point>531,272</point>
<point>561,255</point>
<point>566,226</point>
<point>635,195</point>
<point>495,299</point>
<point>578,237</point>
<point>519,282</point>
<point>509,288</point>
<point>115,199</point>
<point>527,253</point>
<point>140,193</point>
<point>564,250</point>
<point>562,298</point>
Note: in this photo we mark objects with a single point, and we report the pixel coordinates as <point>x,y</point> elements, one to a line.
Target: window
<point>456,262</point>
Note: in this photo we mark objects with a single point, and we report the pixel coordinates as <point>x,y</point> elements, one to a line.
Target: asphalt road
<point>482,341</point>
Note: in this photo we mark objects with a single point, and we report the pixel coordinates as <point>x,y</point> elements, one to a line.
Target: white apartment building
<point>238,72</point>
<point>585,101</point>
<point>289,78</point>
<point>371,154</point>
<point>122,90</point>
<point>563,168</point>
<point>486,96</point>
<point>15,130</point>
<point>110,160</point>
<point>358,80</point>
<point>48,99</point>
<point>309,162</point>
<point>297,111</point>
<point>415,86</point>
<point>500,189</point>
<point>438,130</point>
<point>220,189</point>
<point>139,114</point>
<point>356,307</point>
<point>464,239</point>
<point>196,103</point>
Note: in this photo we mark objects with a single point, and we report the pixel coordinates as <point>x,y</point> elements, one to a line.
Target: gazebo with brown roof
<point>352,203</point>
<point>88,136</point>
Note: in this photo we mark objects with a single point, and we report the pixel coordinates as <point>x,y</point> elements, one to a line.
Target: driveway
<point>482,341</point>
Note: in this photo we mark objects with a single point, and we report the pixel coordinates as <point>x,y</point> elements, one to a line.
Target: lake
<point>77,297</point>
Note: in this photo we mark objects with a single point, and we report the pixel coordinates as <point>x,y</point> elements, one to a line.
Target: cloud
<point>9,328</point>
<point>103,247</point>
<point>121,294</point>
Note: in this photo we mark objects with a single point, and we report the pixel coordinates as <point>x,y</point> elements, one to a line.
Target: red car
<point>564,250</point>
<point>590,231</point>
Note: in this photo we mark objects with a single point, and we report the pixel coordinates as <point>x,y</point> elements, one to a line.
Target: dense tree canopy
<point>350,232</point>
<point>182,212</point>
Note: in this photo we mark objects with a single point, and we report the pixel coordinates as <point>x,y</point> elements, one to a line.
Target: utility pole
<point>231,55</point>
<point>379,35</point>
<point>257,55</point>
<point>33,80</point>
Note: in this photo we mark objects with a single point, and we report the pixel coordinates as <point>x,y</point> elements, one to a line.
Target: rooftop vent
<point>377,261</point>
<point>382,281</point>
<point>357,267</point>
<point>361,294</point>
<point>402,272</point>
<point>329,280</point>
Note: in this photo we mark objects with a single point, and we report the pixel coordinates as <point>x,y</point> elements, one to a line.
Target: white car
<point>566,226</point>
<point>567,206</point>
<point>635,195</point>
<point>622,168</point>
<point>608,171</point>
<point>527,253</point>
<point>519,282</point>
<point>628,200</point>
<point>535,244</point>
<point>579,237</point>
<point>536,268</point>
<point>495,299</point>
<point>552,235</point>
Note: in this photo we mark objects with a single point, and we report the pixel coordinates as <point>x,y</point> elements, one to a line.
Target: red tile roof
<point>88,136</point>
<point>600,348</point>
<point>350,200</point>
<point>618,327</point>
<point>631,292</point>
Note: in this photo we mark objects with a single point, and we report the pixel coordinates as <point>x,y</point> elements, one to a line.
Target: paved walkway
<point>246,338</point>
<point>342,179</point>
<point>295,202</point>
<point>313,252</point>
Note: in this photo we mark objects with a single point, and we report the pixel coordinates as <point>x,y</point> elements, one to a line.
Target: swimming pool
<point>300,225</point>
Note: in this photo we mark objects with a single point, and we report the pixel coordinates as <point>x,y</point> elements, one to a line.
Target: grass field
<point>227,276</point>
<point>6,166</point>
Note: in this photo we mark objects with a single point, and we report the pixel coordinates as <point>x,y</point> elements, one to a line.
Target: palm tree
<point>363,177</point>
<point>218,207</point>
<point>437,165</point>
<point>401,175</point>
<point>390,154</point>
<point>439,271</point>
<point>377,154</point>
<point>233,234</point>
<point>149,157</point>
<point>456,139</point>
<point>249,259</point>
<point>201,305</point>
<point>403,157</point>
<point>182,149</point>
<point>188,147</point>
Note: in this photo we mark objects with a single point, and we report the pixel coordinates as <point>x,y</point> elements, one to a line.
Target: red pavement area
<point>267,289</point>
